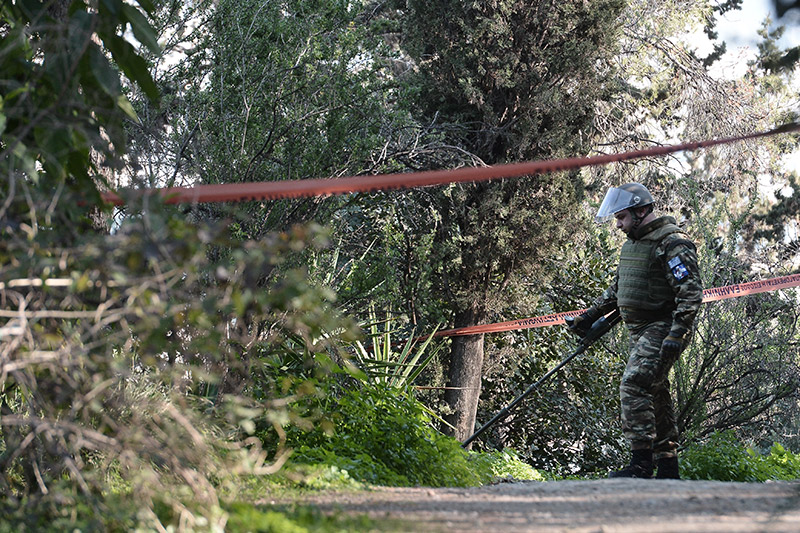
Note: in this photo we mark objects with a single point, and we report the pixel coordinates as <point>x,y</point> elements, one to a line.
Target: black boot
<point>668,468</point>
<point>641,466</point>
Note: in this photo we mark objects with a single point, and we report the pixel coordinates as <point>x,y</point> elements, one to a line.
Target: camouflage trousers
<point>648,418</point>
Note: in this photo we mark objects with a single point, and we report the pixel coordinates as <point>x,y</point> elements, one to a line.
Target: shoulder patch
<point>679,270</point>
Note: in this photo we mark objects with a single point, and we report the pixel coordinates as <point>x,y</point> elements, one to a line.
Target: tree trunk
<point>464,378</point>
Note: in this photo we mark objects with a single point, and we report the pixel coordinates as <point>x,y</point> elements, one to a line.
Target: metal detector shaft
<point>598,329</point>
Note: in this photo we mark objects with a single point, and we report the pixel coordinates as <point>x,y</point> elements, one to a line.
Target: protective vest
<point>642,283</point>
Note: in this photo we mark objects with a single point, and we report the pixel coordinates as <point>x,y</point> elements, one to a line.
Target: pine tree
<point>520,79</point>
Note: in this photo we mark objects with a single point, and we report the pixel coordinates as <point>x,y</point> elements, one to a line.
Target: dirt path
<point>613,505</point>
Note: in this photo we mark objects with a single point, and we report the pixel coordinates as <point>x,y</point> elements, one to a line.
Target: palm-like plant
<point>380,360</point>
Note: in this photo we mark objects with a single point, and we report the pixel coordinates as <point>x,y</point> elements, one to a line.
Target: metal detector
<point>600,327</point>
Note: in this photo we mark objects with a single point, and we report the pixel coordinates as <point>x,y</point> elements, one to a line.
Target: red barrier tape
<point>709,295</point>
<point>275,190</point>
<point>751,287</point>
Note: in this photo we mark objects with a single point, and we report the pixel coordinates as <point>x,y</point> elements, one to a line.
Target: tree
<point>741,370</point>
<point>509,81</point>
<point>265,91</point>
<point>663,93</point>
<point>570,423</point>
<point>782,7</point>
<point>774,218</point>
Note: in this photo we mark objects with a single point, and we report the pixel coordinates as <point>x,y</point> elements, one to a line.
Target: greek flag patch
<point>679,270</point>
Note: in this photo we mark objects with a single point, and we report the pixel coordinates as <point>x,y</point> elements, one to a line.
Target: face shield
<point>615,201</point>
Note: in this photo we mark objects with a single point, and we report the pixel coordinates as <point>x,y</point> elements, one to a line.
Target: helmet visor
<point>615,201</point>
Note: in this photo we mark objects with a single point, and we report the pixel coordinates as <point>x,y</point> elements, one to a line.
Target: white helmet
<point>630,195</point>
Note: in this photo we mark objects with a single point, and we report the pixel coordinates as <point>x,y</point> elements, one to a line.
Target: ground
<point>609,505</point>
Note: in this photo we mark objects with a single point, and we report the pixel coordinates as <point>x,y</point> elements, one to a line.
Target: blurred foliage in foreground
<point>149,373</point>
<point>137,357</point>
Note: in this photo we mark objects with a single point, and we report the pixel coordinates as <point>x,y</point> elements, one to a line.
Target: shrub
<point>723,457</point>
<point>503,465</point>
<point>779,464</point>
<point>384,436</point>
<point>139,359</point>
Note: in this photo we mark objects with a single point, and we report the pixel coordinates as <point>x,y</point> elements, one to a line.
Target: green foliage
<point>493,63</point>
<point>141,356</point>
<point>69,511</point>
<point>507,81</point>
<point>773,224</point>
<point>770,56</point>
<point>138,365</point>
<point>247,518</point>
<point>723,457</point>
<point>780,463</point>
<point>386,241</point>
<point>505,465</point>
<point>324,476</point>
<point>741,347</point>
<point>384,436</point>
<point>61,97</point>
<point>512,84</point>
<point>283,90</point>
<point>267,91</point>
<point>383,364</point>
<point>740,371</point>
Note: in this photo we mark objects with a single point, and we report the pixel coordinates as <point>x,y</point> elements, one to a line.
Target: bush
<point>384,436</point>
<point>144,359</point>
<point>780,464</point>
<point>723,457</point>
<point>720,458</point>
<point>503,465</point>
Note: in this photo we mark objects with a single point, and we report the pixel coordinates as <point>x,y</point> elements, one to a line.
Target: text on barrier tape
<point>709,295</point>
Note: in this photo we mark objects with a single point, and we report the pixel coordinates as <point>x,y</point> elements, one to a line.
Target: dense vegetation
<point>167,365</point>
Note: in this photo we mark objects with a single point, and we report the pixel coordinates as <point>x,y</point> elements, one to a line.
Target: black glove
<point>671,346</point>
<point>581,324</point>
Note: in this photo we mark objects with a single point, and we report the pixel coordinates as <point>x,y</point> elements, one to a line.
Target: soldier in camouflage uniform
<point>657,290</point>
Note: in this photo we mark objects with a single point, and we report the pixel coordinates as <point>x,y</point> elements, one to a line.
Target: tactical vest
<point>642,284</point>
